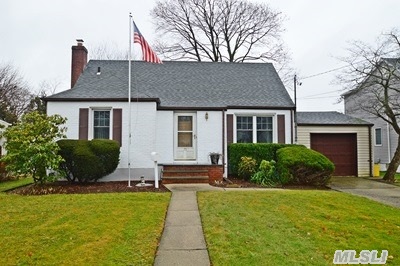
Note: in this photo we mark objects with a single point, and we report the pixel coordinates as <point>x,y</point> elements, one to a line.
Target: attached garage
<point>345,140</point>
<point>340,148</point>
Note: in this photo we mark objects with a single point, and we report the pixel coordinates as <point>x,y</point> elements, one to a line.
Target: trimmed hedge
<point>257,151</point>
<point>302,166</point>
<point>107,152</point>
<point>88,160</point>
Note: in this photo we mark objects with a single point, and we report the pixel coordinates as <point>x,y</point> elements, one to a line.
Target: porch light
<point>206,116</point>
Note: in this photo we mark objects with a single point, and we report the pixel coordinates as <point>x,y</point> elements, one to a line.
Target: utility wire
<point>325,72</point>
<point>348,65</point>
<point>328,92</point>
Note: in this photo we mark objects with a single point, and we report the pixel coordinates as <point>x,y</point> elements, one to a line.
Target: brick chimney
<point>79,60</point>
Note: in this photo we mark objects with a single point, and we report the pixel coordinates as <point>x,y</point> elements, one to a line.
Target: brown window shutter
<point>281,128</point>
<point>229,129</point>
<point>83,123</point>
<point>117,125</point>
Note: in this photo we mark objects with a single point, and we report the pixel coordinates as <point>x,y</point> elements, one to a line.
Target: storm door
<point>185,136</point>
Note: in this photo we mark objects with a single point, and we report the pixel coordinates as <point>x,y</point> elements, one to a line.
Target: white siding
<point>152,130</point>
<point>208,136</point>
<point>144,117</point>
<point>362,142</point>
<point>165,136</point>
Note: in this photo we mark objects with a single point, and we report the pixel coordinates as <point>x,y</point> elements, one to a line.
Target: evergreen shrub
<point>88,160</point>
<point>257,151</point>
<point>302,166</point>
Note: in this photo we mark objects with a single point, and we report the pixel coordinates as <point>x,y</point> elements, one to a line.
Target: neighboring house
<point>345,140</point>
<point>3,125</point>
<point>385,138</point>
<point>182,110</point>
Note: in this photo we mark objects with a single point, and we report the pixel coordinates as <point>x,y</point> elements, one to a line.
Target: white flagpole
<point>129,99</point>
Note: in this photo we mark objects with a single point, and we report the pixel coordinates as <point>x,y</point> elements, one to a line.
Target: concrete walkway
<point>182,242</point>
<point>378,191</point>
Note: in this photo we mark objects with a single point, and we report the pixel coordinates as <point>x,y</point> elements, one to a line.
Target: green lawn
<point>90,229</point>
<point>294,227</point>
<point>6,185</point>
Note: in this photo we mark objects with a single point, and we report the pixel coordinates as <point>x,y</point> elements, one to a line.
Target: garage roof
<point>329,118</point>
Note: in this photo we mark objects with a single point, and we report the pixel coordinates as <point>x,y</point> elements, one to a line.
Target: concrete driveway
<point>378,191</point>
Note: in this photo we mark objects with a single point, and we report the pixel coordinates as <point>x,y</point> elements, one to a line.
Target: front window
<point>378,136</point>
<point>260,133</point>
<point>101,125</point>
<point>244,125</point>
<point>264,129</point>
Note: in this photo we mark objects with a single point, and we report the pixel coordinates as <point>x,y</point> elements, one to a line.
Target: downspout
<point>223,143</point>
<point>389,143</point>
<point>295,108</point>
<point>371,163</point>
<point>292,123</point>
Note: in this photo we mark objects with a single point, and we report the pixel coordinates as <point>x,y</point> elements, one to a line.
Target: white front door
<point>185,136</point>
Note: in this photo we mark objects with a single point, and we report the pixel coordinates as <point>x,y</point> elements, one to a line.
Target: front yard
<point>295,227</point>
<point>275,227</point>
<point>89,229</point>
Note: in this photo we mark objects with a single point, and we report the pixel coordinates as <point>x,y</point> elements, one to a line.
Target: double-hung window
<point>101,124</point>
<point>246,132</point>
<point>244,126</point>
<point>264,129</point>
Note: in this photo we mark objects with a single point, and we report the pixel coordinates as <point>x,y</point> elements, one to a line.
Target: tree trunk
<point>394,165</point>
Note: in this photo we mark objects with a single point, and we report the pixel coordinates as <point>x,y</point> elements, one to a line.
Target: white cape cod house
<point>182,110</point>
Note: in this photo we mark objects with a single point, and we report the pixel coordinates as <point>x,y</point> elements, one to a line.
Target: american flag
<point>148,54</point>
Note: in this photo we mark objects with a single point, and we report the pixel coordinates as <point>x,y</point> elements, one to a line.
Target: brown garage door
<point>341,149</point>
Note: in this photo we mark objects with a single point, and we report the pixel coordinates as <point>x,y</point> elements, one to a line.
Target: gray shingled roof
<point>182,84</point>
<point>329,118</point>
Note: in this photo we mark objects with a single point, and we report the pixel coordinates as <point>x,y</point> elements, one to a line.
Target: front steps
<point>183,174</point>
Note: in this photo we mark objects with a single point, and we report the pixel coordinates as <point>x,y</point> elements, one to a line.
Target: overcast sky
<point>36,36</point>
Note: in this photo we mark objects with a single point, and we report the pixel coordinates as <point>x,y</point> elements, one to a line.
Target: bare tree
<point>107,51</point>
<point>373,76</point>
<point>14,94</point>
<point>219,30</point>
<point>46,88</point>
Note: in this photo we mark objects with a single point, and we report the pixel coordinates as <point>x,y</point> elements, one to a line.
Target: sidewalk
<point>182,242</point>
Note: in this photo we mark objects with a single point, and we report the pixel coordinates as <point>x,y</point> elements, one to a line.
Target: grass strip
<point>8,185</point>
<point>81,229</point>
<point>294,227</point>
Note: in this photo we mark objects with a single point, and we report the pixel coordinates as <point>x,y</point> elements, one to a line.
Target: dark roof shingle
<point>329,118</point>
<point>182,84</point>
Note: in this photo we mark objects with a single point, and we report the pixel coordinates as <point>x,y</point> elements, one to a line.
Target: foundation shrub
<point>247,167</point>
<point>302,166</point>
<point>267,174</point>
<point>257,151</point>
<point>88,160</point>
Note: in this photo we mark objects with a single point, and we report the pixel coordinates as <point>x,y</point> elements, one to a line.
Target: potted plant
<point>214,157</point>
